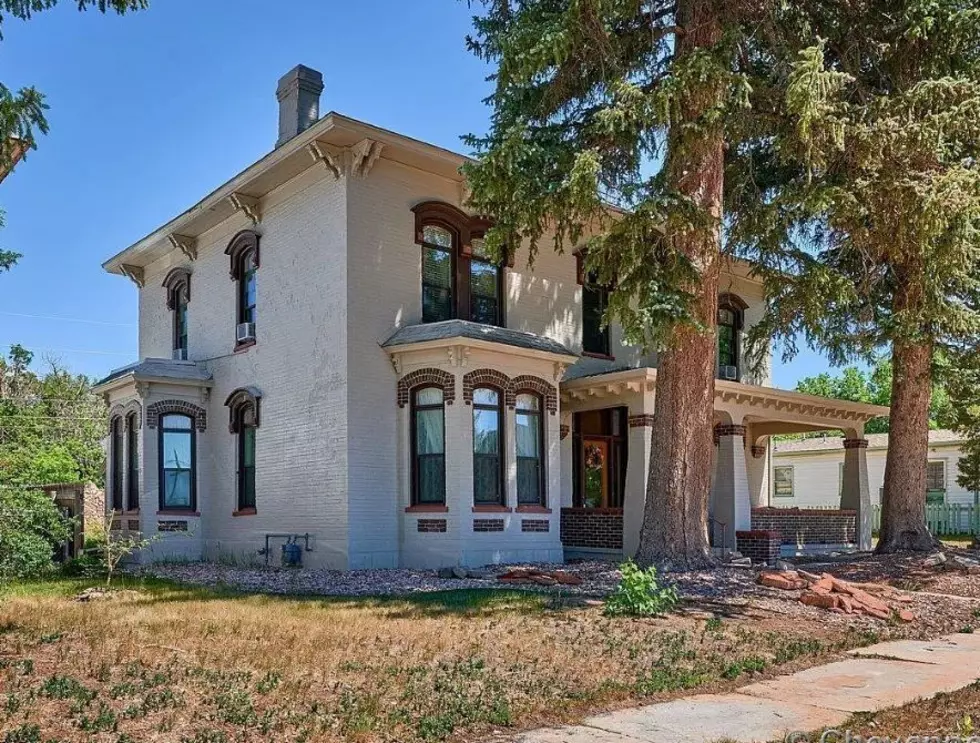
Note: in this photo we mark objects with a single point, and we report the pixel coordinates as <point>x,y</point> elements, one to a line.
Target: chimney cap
<point>300,76</point>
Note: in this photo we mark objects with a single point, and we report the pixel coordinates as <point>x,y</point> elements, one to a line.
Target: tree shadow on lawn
<point>467,602</point>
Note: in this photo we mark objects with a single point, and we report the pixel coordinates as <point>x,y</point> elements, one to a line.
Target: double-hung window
<point>437,274</point>
<point>133,460</point>
<point>530,451</point>
<point>488,479</point>
<point>484,285</point>
<point>178,285</point>
<point>428,447</point>
<point>244,253</point>
<point>178,490</point>
<point>118,463</point>
<point>246,468</point>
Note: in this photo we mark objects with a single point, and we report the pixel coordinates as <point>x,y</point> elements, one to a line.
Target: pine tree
<point>860,199</point>
<point>590,95</point>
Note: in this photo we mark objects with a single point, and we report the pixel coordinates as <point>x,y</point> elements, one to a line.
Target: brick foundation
<point>800,526</point>
<point>760,545</point>
<point>488,524</point>
<point>536,525</point>
<point>595,528</point>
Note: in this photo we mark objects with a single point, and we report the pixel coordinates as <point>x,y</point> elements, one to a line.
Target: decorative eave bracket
<point>248,205</point>
<point>134,274</point>
<point>185,244</point>
<point>351,161</point>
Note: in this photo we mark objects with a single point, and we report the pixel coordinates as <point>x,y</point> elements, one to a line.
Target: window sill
<point>177,512</point>
<point>244,512</point>
<point>434,508</point>
<point>594,355</point>
<point>492,509</point>
<point>243,346</point>
<point>533,509</point>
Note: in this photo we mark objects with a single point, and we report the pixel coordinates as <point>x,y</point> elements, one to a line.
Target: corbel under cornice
<point>320,154</point>
<point>134,274</point>
<point>363,155</point>
<point>185,244</point>
<point>248,205</point>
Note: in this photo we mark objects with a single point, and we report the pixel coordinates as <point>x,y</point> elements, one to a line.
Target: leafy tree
<point>859,197</point>
<point>22,114</point>
<point>30,528</point>
<point>51,425</point>
<point>874,388</point>
<point>589,96</point>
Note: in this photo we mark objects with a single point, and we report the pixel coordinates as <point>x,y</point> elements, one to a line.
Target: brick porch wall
<point>804,526</point>
<point>594,528</point>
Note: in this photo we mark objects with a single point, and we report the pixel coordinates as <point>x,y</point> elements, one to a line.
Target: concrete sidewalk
<point>889,674</point>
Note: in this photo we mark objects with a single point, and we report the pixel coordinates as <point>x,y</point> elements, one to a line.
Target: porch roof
<point>437,333</point>
<point>157,370</point>
<point>768,401</point>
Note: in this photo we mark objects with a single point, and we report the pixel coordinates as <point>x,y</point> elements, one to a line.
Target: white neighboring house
<point>809,472</point>
<point>353,372</point>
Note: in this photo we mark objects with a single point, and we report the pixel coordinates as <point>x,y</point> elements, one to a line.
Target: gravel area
<point>723,592</point>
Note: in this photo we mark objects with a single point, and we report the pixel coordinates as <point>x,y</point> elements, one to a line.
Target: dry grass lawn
<point>170,663</point>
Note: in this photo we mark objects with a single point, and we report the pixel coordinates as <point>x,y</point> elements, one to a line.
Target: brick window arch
<point>430,377</point>
<point>529,383</point>
<point>158,409</point>
<point>487,377</point>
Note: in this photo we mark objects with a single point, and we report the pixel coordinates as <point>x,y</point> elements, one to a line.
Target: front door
<point>595,470</point>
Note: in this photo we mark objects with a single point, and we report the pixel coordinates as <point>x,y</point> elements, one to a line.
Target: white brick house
<point>325,357</point>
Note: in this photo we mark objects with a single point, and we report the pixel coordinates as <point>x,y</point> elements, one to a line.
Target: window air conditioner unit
<point>728,372</point>
<point>245,331</point>
<point>179,354</point>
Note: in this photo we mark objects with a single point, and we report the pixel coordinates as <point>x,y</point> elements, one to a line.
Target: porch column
<point>758,472</point>
<point>637,470</point>
<point>733,505</point>
<point>855,493</point>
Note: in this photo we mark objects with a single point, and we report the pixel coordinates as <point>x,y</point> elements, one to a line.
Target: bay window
<point>428,447</point>
<point>177,457</point>
<point>530,451</point>
<point>488,473</point>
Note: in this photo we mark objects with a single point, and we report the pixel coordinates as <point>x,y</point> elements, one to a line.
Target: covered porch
<point>607,443</point>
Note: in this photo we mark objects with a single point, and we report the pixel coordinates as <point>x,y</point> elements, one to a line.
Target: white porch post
<point>758,472</point>
<point>733,506</point>
<point>855,493</point>
<point>637,469</point>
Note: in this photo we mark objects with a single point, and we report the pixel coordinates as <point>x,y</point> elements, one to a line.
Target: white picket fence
<point>943,519</point>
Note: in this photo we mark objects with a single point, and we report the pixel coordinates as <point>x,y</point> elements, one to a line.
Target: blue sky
<point>150,112</point>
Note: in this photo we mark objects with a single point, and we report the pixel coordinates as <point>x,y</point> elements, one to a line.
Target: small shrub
<point>966,630</point>
<point>639,593</point>
<point>30,528</point>
<point>746,665</point>
<point>26,733</point>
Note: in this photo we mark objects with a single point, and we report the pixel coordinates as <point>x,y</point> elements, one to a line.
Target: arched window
<point>730,309</point>
<point>428,447</point>
<point>438,273</point>
<point>243,406</point>
<point>530,450</point>
<point>460,280</point>
<point>133,460</point>
<point>178,463</point>
<point>244,253</point>
<point>178,286</point>
<point>117,463</point>
<point>488,473</point>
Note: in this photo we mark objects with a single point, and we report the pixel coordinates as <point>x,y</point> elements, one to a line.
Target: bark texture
<point>903,503</point>
<point>675,520</point>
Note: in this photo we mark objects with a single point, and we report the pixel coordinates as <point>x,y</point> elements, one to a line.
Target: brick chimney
<point>299,101</point>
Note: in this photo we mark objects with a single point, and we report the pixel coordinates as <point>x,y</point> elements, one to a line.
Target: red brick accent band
<point>154,411</point>
<point>800,526</point>
<point>563,431</point>
<point>760,545</point>
<point>640,421</point>
<point>758,451</point>
<point>855,443</point>
<point>528,383</point>
<point>596,528</point>
<point>729,430</point>
<point>428,377</point>
<point>431,525</point>
<point>485,525</point>
<point>535,525</point>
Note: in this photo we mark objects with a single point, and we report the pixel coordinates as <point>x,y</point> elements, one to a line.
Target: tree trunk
<point>903,504</point>
<point>675,519</point>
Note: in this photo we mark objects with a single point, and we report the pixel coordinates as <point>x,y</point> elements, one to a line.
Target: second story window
<point>244,253</point>
<point>595,299</point>
<point>438,252</point>
<point>730,309</point>
<point>460,280</point>
<point>178,286</point>
<point>485,286</point>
